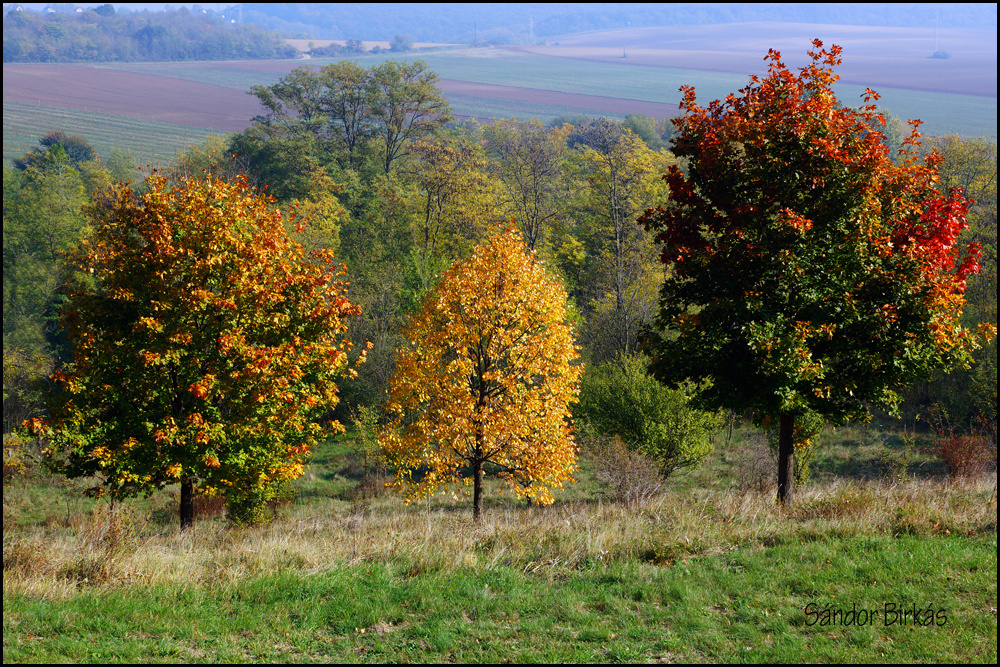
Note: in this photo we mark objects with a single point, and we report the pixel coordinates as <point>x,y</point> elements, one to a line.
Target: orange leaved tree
<point>205,344</point>
<point>487,379</point>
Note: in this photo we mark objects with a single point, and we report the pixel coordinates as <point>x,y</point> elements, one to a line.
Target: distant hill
<point>527,23</point>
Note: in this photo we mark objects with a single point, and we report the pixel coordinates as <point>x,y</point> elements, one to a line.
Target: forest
<point>104,34</point>
<point>398,193</point>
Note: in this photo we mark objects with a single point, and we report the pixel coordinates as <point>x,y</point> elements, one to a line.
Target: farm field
<point>151,142</point>
<point>880,57</point>
<point>524,71</point>
<point>709,571</point>
<point>583,74</point>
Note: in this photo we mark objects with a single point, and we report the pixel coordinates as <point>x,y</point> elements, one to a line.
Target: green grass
<point>710,571</point>
<point>747,605</point>
<point>151,142</point>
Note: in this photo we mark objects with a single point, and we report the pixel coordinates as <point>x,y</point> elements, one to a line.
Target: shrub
<point>259,507</point>
<point>633,476</point>
<point>895,463</point>
<point>24,376</point>
<point>366,420</point>
<point>755,465</point>
<point>13,458</point>
<point>621,398</point>
<point>965,454</point>
<point>371,486</point>
<point>205,505</point>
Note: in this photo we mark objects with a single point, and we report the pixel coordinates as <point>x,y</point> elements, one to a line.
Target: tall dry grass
<point>121,548</point>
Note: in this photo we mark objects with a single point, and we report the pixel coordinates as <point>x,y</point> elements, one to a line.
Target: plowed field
<point>160,98</point>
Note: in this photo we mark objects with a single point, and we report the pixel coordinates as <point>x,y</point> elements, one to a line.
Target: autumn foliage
<point>808,273</point>
<point>206,343</point>
<point>486,379</point>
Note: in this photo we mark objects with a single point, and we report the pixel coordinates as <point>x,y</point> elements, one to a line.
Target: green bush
<point>621,398</point>
<point>24,377</point>
<point>258,507</point>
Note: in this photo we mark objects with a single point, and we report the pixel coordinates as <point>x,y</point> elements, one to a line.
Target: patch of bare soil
<point>145,96</point>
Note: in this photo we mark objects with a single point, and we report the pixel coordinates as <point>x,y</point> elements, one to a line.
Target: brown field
<point>879,57</point>
<point>170,100</point>
<point>165,99</point>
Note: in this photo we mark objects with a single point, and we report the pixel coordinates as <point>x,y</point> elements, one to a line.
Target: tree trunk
<point>786,459</point>
<point>187,503</point>
<point>477,493</point>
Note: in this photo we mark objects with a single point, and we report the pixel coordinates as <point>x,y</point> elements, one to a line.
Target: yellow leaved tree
<point>206,347</point>
<point>486,380</point>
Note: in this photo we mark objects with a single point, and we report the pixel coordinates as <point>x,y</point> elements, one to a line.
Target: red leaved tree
<point>808,273</point>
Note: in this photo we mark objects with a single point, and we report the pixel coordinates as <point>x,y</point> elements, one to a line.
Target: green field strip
<point>565,75</point>
<point>649,84</point>
<point>490,108</point>
<point>150,141</point>
<point>941,113</point>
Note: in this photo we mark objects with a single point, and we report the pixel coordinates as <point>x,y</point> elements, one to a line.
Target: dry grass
<point>122,549</point>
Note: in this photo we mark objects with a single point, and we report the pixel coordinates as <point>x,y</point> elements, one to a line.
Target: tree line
<point>104,34</point>
<point>368,160</point>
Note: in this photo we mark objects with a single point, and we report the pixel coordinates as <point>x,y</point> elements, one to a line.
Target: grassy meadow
<point>708,570</point>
